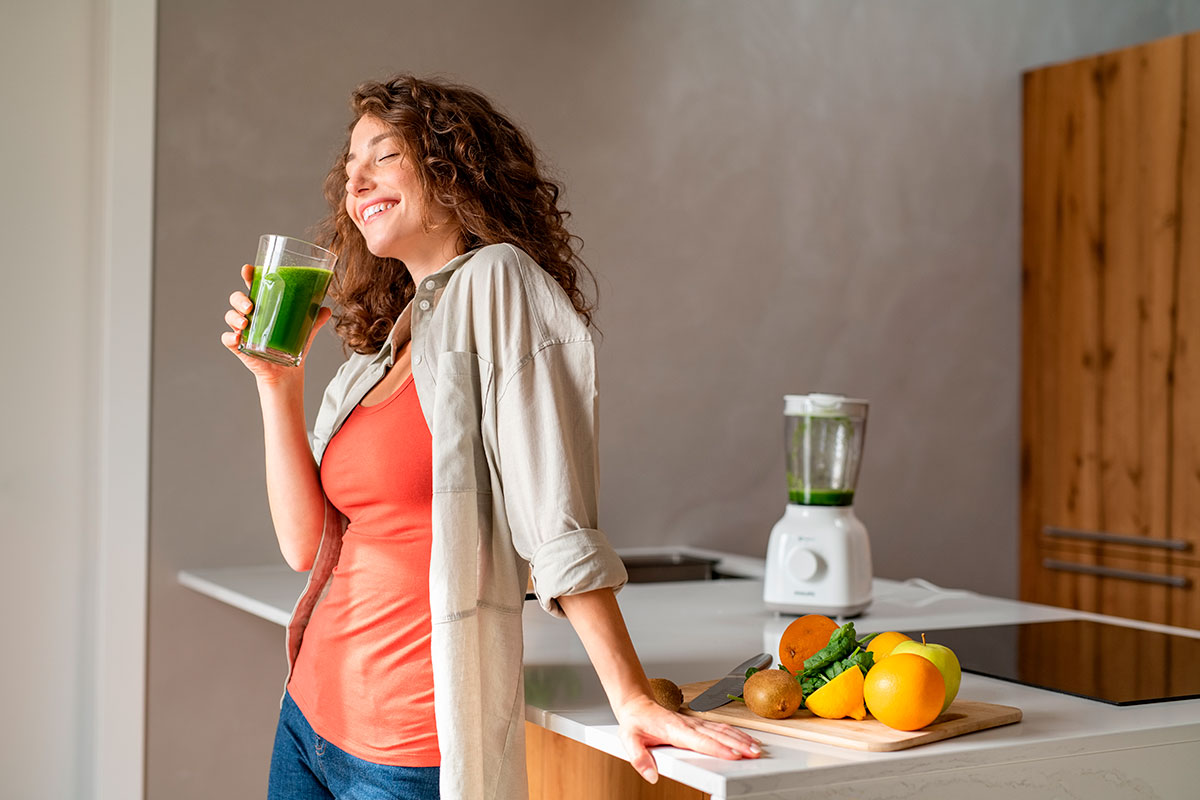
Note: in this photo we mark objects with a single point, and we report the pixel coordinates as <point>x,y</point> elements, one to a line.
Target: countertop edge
<point>260,590</point>
<point>207,582</point>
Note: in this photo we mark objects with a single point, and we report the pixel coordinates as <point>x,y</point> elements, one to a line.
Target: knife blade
<point>717,695</point>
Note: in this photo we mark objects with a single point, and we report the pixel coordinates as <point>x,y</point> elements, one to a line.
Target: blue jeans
<point>306,767</point>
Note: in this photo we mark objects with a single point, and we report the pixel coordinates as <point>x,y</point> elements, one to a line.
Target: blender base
<point>829,611</point>
<point>818,562</point>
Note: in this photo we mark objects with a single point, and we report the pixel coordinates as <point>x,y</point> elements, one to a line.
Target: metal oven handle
<point>1113,538</point>
<point>1112,572</point>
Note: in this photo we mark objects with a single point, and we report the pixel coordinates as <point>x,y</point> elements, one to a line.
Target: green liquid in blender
<point>821,497</point>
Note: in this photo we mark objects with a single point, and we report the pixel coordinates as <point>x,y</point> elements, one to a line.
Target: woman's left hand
<point>644,723</point>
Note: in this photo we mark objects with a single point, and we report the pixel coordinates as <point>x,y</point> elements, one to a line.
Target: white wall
<point>47,492</point>
<point>76,146</point>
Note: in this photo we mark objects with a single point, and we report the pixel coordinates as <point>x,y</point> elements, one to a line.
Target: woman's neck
<point>435,253</point>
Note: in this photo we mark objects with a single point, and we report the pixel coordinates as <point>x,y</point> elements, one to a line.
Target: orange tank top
<point>363,677</point>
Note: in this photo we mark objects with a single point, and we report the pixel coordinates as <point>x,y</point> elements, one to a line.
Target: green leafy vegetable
<point>863,659</point>
<point>842,653</point>
<point>841,643</point>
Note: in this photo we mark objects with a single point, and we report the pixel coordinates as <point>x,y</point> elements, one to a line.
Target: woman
<point>454,457</point>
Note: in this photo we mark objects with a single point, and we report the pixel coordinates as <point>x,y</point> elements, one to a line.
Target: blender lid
<point>819,404</point>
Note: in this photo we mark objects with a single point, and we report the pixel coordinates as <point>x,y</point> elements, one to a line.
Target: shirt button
<point>424,305</point>
<point>417,359</point>
<point>430,284</point>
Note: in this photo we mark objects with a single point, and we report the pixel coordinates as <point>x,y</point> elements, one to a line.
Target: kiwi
<point>772,693</point>
<point>666,694</point>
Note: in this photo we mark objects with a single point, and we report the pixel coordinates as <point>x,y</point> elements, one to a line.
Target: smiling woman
<point>386,202</point>
<point>474,170</point>
<point>454,458</point>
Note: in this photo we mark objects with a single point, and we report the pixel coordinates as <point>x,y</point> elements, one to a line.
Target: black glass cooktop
<point>1111,663</point>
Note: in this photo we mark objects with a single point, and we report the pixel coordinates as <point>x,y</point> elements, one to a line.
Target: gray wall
<point>776,196</point>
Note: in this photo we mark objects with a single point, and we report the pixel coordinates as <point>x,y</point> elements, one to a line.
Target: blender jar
<point>823,435</point>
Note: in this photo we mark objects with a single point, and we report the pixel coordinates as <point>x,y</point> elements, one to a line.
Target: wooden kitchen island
<point>1065,746</point>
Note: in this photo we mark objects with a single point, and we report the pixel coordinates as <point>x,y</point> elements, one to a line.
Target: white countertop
<point>692,631</point>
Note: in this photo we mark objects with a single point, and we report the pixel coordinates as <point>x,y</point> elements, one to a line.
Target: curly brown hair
<point>472,161</point>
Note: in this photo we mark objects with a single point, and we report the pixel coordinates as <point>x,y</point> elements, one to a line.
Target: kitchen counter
<point>1065,747</point>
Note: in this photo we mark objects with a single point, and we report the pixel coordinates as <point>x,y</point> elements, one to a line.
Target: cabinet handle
<point>1112,538</point>
<point>1112,572</point>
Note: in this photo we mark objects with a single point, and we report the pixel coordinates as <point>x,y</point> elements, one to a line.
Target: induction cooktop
<point>1099,661</point>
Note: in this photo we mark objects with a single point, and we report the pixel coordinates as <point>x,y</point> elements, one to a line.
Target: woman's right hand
<point>265,372</point>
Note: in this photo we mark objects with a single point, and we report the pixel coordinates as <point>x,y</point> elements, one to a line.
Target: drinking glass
<point>290,279</point>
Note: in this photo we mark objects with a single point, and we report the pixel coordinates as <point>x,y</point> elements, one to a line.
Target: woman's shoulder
<point>496,263</point>
<point>505,270</point>
<point>504,281</point>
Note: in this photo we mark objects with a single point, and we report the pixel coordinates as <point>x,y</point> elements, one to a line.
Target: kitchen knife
<point>717,695</point>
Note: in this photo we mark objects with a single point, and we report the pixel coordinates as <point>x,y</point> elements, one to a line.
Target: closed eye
<point>389,155</point>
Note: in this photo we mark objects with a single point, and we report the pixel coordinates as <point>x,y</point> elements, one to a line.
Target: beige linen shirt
<point>505,371</point>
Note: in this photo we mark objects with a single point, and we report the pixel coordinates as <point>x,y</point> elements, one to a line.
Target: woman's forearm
<point>293,481</point>
<point>597,620</point>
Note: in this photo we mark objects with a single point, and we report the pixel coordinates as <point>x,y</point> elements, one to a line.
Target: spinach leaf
<point>863,659</point>
<point>811,682</point>
<point>841,643</point>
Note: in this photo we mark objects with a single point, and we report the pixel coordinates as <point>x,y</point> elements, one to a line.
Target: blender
<point>818,556</point>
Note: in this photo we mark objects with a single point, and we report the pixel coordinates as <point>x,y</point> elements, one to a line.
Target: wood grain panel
<point>1141,118</point>
<point>1185,407</point>
<point>1141,131</point>
<point>1037,204</point>
<point>1111,302</point>
<point>561,768</point>
<point>1061,321</point>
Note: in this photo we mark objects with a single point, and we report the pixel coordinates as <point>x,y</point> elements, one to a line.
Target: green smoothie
<point>821,497</point>
<point>286,301</point>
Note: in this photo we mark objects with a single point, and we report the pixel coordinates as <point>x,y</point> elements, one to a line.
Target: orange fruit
<point>882,644</point>
<point>841,697</point>
<point>803,637</point>
<point>905,691</point>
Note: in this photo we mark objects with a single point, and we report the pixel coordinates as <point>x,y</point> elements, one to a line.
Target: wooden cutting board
<point>963,716</point>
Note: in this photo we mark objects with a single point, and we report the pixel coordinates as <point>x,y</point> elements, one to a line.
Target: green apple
<point>942,657</point>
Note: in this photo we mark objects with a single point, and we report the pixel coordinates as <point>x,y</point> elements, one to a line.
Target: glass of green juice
<point>290,279</point>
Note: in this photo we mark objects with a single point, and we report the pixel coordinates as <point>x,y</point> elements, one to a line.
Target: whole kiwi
<point>666,694</point>
<point>772,693</point>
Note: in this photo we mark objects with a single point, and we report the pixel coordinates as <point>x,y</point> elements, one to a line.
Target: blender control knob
<point>803,564</point>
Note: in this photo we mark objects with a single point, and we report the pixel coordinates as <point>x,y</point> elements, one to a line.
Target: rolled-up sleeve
<point>546,433</point>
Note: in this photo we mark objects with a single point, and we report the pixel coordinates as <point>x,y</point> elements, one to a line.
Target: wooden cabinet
<point>563,768</point>
<point>1110,432</point>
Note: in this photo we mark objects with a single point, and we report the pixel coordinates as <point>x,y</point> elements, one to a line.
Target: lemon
<point>841,697</point>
